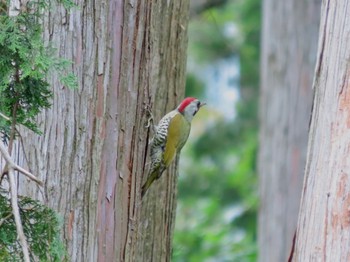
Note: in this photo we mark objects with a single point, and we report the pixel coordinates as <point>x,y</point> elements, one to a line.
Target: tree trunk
<point>289,40</point>
<point>92,155</point>
<point>323,232</point>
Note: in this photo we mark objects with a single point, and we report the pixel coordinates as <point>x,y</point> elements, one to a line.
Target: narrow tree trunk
<point>289,41</point>
<point>324,218</point>
<point>92,155</point>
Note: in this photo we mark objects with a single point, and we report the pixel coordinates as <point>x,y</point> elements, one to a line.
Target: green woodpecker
<point>170,136</point>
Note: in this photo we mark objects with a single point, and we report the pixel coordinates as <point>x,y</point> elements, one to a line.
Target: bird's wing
<point>177,135</point>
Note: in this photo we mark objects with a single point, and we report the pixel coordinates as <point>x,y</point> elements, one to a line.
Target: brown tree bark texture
<point>92,154</point>
<point>289,45</point>
<point>323,232</point>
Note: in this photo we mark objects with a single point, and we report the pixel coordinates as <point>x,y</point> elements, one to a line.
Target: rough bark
<point>92,154</point>
<point>289,43</point>
<point>323,232</point>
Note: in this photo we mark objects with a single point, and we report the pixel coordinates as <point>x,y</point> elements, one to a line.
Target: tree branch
<point>11,166</point>
<point>14,166</point>
<point>15,210</point>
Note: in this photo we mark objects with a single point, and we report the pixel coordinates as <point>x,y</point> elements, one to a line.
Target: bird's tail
<point>148,183</point>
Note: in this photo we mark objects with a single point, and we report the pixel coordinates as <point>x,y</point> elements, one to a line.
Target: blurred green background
<point>218,194</point>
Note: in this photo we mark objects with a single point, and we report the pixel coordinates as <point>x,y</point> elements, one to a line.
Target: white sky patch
<point>221,78</point>
<point>231,30</point>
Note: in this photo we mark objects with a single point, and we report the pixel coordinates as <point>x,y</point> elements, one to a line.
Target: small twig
<point>5,218</point>
<point>14,166</point>
<point>3,116</point>
<point>23,147</point>
<point>28,174</point>
<point>13,125</point>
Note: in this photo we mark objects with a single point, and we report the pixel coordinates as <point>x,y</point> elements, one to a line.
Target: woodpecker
<point>170,136</point>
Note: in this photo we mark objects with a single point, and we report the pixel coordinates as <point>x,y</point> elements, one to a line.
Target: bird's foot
<point>150,122</point>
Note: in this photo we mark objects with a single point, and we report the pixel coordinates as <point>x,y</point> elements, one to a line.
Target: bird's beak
<point>202,104</point>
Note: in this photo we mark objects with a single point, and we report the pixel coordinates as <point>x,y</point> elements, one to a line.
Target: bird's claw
<point>149,120</point>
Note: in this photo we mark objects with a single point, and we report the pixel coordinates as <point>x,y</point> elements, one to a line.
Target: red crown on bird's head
<point>185,103</point>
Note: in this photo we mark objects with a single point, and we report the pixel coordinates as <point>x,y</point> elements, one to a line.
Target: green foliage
<point>217,209</point>
<point>218,199</point>
<point>208,40</point>
<point>194,87</point>
<point>41,227</point>
<point>25,62</point>
<point>249,17</point>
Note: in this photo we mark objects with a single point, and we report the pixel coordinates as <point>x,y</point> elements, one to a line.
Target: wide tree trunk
<point>289,43</point>
<point>323,232</point>
<point>128,55</point>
